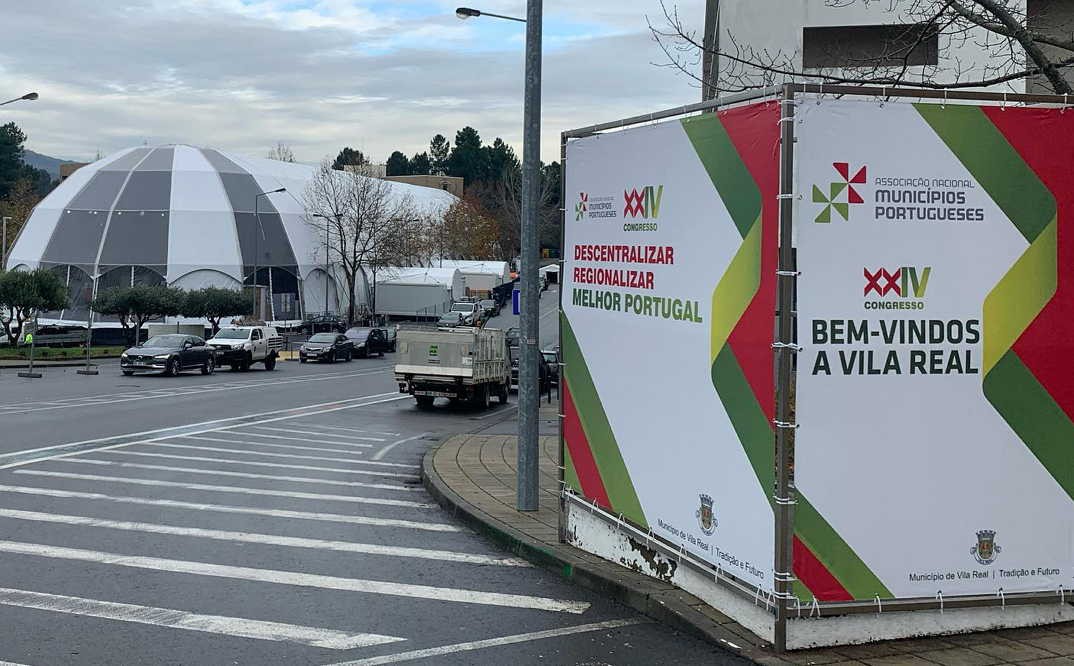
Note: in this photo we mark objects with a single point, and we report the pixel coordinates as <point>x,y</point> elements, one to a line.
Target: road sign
<point>516,300</point>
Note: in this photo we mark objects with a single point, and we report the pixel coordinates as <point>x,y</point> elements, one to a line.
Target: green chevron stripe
<point>995,164</point>
<point>613,471</point>
<point>1034,416</point>
<point>748,419</point>
<point>733,181</point>
<point>835,554</point>
<point>570,476</point>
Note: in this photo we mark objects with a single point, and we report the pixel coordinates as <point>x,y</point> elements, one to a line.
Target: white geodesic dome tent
<point>190,217</point>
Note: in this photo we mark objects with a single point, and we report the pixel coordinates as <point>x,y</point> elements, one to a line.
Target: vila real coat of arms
<point>986,551</point>
<point>706,518</point>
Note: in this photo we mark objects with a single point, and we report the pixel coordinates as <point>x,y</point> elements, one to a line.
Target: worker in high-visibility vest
<point>29,339</point>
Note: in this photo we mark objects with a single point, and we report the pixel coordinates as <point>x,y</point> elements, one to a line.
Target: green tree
<point>11,152</point>
<point>420,164</point>
<point>499,158</point>
<point>397,165</point>
<point>136,305</point>
<point>439,151</point>
<point>23,294</point>
<point>349,156</point>
<point>214,304</point>
<point>467,160</point>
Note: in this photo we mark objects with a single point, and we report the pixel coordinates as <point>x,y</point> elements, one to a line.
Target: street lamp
<point>466,12</point>
<point>326,219</point>
<point>257,239</point>
<point>528,373</point>
<point>29,97</point>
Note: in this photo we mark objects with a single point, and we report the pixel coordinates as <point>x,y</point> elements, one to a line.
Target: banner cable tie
<point>787,345</point>
<point>939,597</point>
<point>784,501</point>
<point>785,424</point>
<point>788,195</point>
<point>879,605</point>
<point>1062,595</point>
<point>1002,598</point>
<point>786,119</point>
<point>814,607</point>
<point>788,273</point>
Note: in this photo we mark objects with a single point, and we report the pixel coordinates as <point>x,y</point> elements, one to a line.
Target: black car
<point>551,359</point>
<point>391,333</point>
<point>323,323</point>
<point>368,341</point>
<point>169,354</point>
<point>491,308</point>
<point>544,377</point>
<point>329,347</point>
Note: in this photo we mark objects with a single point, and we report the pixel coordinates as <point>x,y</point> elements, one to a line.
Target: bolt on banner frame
<point>783,603</point>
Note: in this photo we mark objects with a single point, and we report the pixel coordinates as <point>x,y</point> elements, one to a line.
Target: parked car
<point>368,341</point>
<point>491,308</point>
<point>170,355</point>
<point>551,358</point>
<point>323,323</point>
<point>472,312</point>
<point>452,319</point>
<point>512,336</point>
<point>241,346</point>
<point>329,347</point>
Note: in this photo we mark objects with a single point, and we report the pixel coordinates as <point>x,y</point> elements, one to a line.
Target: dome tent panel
<point>202,230</point>
<point>206,277</point>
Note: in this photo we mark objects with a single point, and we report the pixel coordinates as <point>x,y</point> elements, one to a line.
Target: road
<point>266,518</point>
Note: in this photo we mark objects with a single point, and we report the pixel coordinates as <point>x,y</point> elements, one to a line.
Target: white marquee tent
<point>189,217</point>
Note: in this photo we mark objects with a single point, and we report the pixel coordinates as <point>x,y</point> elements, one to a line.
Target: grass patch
<point>56,353</point>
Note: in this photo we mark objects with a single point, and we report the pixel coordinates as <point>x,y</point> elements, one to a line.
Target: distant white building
<point>826,36</point>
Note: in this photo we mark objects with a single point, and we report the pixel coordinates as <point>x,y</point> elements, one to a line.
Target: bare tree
<point>509,190</point>
<point>1016,45</point>
<point>358,212</point>
<point>282,152</point>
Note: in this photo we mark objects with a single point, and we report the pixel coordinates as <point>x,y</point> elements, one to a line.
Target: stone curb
<point>654,599</point>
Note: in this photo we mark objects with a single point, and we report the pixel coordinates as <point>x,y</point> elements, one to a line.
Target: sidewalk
<point>473,476</point>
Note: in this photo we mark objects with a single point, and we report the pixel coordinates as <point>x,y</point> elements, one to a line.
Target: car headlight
<point>123,355</point>
<point>162,357</point>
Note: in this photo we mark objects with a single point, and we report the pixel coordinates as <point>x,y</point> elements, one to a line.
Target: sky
<point>377,75</point>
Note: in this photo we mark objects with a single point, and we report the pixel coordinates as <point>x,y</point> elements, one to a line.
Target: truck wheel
<point>481,397</point>
<point>503,394</point>
<point>270,362</point>
<point>424,401</point>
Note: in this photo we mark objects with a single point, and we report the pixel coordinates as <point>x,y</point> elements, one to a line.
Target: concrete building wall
<point>778,25</point>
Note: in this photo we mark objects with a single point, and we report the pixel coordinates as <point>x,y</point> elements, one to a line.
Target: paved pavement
<point>474,474</point>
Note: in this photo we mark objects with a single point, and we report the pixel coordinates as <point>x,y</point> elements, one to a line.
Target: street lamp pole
<point>528,371</point>
<point>257,239</point>
<point>327,264</point>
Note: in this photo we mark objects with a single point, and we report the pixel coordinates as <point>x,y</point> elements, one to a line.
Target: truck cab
<point>241,346</point>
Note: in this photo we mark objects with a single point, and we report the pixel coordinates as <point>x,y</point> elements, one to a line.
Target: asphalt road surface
<point>266,518</point>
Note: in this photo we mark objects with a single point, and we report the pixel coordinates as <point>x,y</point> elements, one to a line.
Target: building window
<point>870,46</point>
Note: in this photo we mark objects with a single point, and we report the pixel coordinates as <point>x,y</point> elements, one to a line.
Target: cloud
<point>317,74</point>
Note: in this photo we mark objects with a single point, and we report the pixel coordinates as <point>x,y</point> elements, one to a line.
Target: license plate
<point>435,394</point>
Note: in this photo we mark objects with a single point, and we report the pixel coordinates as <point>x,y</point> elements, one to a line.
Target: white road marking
<point>202,438</point>
<point>176,619</point>
<point>236,431</point>
<point>318,426</point>
<point>217,449</point>
<point>221,508</point>
<point>291,413</point>
<point>265,539</point>
<point>231,461</point>
<point>320,434</point>
<point>244,475</point>
<point>383,452</point>
<point>297,578</point>
<point>493,642</point>
<point>70,403</point>
<point>229,489</point>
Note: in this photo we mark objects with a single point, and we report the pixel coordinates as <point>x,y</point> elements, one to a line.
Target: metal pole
<point>327,280</point>
<point>3,244</point>
<point>257,253</point>
<point>783,575</point>
<point>710,45</point>
<point>562,471</point>
<point>528,372</point>
<point>89,369</point>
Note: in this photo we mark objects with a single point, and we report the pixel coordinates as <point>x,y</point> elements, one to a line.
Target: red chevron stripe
<point>815,576</point>
<point>754,130</point>
<point>585,466</point>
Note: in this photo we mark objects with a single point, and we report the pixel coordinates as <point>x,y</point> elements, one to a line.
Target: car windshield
<point>323,337</point>
<point>462,307</point>
<point>233,334</point>
<point>358,333</point>
<point>165,341</point>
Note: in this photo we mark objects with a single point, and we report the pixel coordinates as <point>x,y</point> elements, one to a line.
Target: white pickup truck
<point>460,363</point>
<point>472,312</point>
<point>241,346</point>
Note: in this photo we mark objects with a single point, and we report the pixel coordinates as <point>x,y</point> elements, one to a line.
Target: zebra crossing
<point>303,539</point>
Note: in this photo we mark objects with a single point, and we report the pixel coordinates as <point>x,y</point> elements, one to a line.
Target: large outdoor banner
<point>935,390</point>
<point>668,302</point>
